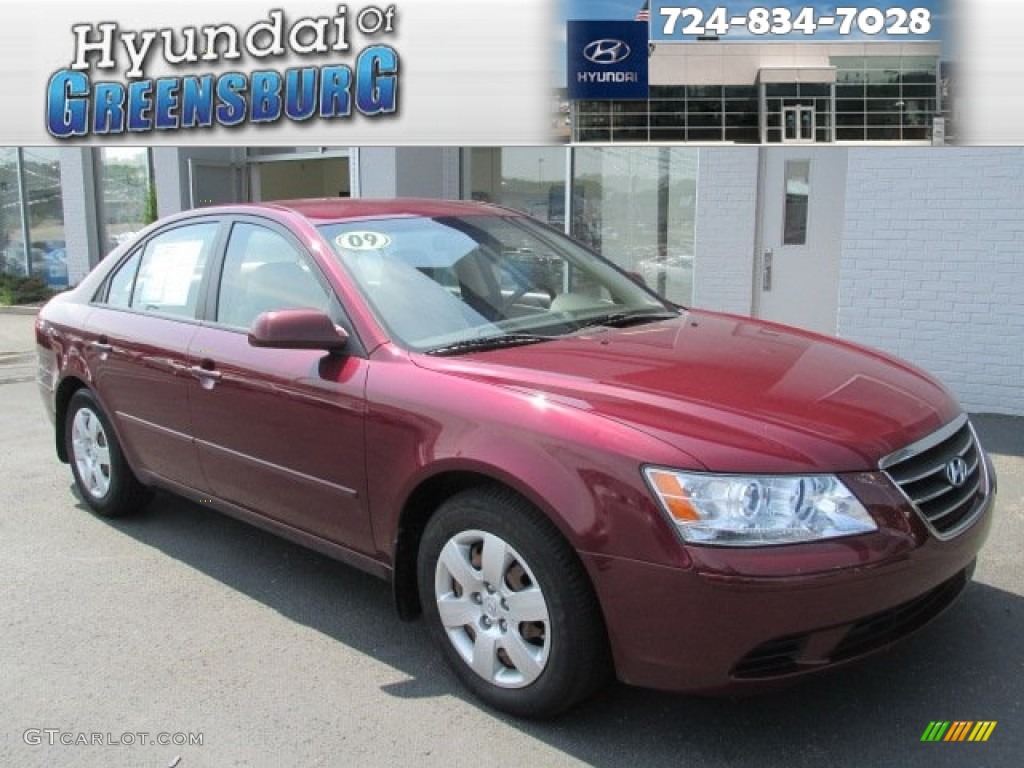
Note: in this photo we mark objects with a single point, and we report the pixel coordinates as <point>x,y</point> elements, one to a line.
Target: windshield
<point>448,283</point>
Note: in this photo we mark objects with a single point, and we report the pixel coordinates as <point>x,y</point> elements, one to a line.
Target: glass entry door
<point>798,125</point>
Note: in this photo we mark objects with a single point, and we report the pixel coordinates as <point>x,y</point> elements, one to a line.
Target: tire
<point>102,476</point>
<point>523,631</point>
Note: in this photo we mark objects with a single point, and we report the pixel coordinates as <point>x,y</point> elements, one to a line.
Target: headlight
<point>758,510</point>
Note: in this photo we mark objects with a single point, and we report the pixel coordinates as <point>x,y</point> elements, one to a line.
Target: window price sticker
<point>759,22</point>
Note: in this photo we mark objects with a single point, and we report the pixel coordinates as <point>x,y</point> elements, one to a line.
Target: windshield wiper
<point>488,342</point>
<point>624,319</point>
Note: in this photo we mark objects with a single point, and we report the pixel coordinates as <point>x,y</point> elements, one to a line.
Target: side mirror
<point>297,329</point>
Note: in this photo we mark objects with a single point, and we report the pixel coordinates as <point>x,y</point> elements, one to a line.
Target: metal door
<point>801,208</point>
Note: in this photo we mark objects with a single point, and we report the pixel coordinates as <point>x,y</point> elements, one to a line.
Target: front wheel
<point>102,475</point>
<point>509,604</point>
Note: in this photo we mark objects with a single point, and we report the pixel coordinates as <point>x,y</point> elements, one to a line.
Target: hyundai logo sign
<point>956,472</point>
<point>607,51</point>
<point>607,59</point>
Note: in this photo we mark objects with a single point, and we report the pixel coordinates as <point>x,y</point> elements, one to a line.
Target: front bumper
<point>743,620</point>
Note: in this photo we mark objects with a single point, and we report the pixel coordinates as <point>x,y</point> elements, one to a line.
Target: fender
<point>583,471</point>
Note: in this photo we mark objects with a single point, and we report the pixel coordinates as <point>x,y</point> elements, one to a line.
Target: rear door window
<point>170,272</point>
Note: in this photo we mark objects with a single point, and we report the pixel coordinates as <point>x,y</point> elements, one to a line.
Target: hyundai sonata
<point>568,476</point>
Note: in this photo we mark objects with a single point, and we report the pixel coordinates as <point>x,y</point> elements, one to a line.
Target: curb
<point>23,309</point>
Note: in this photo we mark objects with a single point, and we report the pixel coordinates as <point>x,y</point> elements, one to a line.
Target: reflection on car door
<point>279,431</point>
<point>137,343</point>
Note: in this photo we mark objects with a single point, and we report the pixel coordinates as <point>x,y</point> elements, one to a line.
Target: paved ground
<point>182,620</point>
<point>17,337</point>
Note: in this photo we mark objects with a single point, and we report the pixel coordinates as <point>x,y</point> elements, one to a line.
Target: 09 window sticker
<point>362,241</point>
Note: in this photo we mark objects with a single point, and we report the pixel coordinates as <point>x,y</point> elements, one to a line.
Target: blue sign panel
<point>607,59</point>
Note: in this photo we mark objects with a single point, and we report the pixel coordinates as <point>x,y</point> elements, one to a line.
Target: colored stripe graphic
<point>958,730</point>
<point>982,730</point>
<point>935,730</point>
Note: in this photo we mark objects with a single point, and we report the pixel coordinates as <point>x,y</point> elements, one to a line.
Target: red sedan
<point>567,475</point>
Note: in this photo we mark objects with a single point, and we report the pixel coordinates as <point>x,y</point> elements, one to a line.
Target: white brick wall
<point>933,266</point>
<point>726,228</point>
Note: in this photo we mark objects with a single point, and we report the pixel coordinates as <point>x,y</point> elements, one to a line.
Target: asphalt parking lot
<point>183,621</point>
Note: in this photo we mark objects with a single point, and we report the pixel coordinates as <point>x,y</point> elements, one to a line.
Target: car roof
<point>319,210</point>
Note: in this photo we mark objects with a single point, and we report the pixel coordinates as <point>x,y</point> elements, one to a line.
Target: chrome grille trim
<point>919,472</point>
<point>924,443</point>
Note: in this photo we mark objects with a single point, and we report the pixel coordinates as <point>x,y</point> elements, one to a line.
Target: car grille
<point>922,472</point>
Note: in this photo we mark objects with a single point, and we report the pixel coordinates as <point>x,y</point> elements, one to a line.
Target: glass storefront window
<point>675,120</point>
<point>900,95</point>
<point>127,198</point>
<point>45,215</point>
<point>704,91</point>
<point>529,179</point>
<point>677,133</point>
<point>637,207</point>
<point>667,91</point>
<point>667,106</point>
<point>630,121</point>
<point>32,239</point>
<point>12,233</point>
<point>814,89</point>
<point>708,112</point>
<point>740,92</point>
<point>775,90</point>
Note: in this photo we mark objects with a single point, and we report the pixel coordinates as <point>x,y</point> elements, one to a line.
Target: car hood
<point>733,394</point>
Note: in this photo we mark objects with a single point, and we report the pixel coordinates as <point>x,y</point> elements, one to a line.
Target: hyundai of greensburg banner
<point>335,73</point>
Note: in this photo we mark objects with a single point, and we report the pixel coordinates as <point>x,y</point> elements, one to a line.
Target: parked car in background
<point>568,476</point>
<point>670,277</point>
<point>48,262</point>
<point>52,268</point>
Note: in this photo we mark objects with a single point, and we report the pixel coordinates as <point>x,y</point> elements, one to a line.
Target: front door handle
<point>208,377</point>
<point>766,271</point>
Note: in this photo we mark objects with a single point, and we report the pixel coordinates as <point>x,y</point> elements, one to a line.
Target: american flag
<point>644,14</point>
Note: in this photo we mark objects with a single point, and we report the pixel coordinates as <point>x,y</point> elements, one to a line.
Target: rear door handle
<point>102,347</point>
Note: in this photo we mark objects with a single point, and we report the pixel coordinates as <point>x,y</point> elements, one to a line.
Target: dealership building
<point>772,93</point>
<point>913,250</point>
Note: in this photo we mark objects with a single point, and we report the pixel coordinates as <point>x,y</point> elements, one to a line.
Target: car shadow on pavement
<point>967,665</point>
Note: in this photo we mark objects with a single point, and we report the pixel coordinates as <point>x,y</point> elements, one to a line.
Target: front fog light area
<point>758,510</point>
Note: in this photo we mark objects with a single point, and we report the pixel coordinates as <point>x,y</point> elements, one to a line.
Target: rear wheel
<point>102,475</point>
<point>509,604</point>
